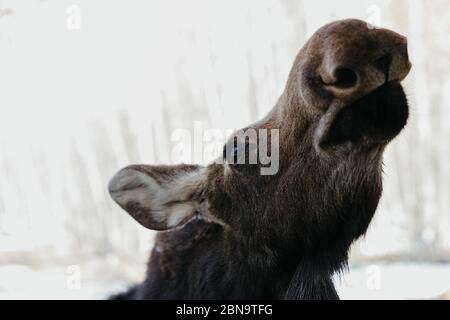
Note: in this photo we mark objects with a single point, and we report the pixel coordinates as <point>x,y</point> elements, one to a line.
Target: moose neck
<point>308,284</point>
<point>270,274</point>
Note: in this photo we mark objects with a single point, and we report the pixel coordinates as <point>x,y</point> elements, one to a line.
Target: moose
<point>229,232</point>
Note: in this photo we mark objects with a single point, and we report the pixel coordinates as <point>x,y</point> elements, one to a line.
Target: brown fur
<point>281,236</point>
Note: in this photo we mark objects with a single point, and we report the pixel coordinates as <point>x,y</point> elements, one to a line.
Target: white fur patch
<point>179,213</point>
<point>168,203</point>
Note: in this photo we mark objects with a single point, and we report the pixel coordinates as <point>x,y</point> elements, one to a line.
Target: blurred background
<point>87,87</point>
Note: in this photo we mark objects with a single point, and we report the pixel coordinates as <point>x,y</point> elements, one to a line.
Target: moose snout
<point>363,60</point>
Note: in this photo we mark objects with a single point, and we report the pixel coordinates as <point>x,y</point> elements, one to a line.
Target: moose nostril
<point>404,51</point>
<point>345,78</point>
<point>384,64</point>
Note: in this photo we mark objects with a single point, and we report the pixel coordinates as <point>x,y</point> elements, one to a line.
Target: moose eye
<point>233,153</point>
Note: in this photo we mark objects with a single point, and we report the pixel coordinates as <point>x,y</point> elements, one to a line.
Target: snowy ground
<point>396,281</point>
<point>92,281</point>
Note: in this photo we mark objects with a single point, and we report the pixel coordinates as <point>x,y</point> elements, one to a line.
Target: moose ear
<point>158,197</point>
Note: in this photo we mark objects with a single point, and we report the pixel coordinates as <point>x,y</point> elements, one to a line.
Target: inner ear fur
<point>159,197</point>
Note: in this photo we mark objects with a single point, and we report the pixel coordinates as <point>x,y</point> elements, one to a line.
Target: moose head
<point>343,103</point>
